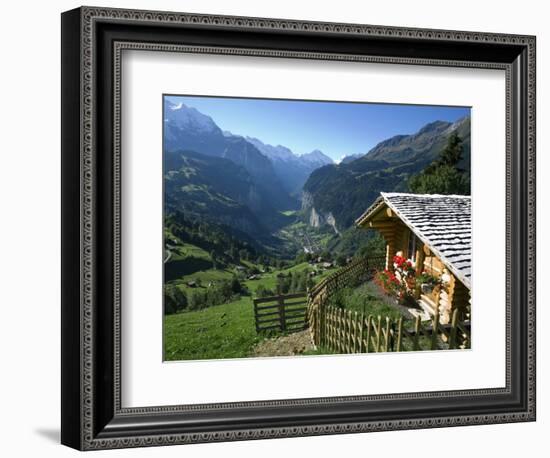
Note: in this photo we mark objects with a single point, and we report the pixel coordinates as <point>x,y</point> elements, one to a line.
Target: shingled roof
<point>442,222</point>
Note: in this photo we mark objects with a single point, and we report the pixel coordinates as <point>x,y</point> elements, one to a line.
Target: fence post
<point>369,322</point>
<point>341,332</point>
<point>329,317</point>
<point>344,333</point>
<point>331,329</point>
<point>281,308</point>
<point>378,334</point>
<point>322,313</point>
<point>342,344</point>
<point>392,336</point>
<point>256,316</point>
<point>350,331</point>
<point>399,333</point>
<point>318,325</point>
<point>387,341</point>
<point>361,326</point>
<point>435,330</point>
<point>416,333</point>
<point>355,333</point>
<point>313,323</point>
<point>452,339</point>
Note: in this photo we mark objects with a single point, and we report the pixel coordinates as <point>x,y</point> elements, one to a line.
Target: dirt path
<point>293,344</point>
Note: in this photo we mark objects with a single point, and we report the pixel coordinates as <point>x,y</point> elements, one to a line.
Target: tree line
<point>444,176</point>
<point>175,299</point>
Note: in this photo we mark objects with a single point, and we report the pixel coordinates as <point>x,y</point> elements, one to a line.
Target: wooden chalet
<point>434,232</point>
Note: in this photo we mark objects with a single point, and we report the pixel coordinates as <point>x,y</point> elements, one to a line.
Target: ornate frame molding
<point>89,434</point>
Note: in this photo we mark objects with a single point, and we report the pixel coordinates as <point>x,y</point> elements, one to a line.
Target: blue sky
<point>336,128</point>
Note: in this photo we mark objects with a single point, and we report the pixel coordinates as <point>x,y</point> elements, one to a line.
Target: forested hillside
<point>345,190</point>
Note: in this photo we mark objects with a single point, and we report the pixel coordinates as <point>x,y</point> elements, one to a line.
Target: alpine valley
<point>224,189</point>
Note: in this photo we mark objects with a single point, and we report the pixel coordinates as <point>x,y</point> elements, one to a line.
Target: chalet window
<point>411,247</point>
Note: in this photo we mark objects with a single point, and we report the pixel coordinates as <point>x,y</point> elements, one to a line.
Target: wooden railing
<point>285,313</point>
<point>359,270</point>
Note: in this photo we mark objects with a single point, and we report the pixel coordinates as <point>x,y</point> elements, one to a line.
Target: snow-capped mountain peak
<point>185,117</point>
<point>279,152</point>
<point>316,157</point>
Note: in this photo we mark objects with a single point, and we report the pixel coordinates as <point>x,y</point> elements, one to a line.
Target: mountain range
<point>186,128</point>
<point>350,158</point>
<point>255,189</point>
<point>274,166</point>
<point>338,194</point>
<point>293,170</point>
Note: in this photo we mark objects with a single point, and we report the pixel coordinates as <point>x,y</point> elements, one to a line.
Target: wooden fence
<point>359,270</point>
<point>285,313</point>
<point>346,331</point>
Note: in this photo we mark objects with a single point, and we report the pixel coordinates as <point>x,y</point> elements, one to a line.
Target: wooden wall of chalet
<point>450,294</point>
<point>395,234</point>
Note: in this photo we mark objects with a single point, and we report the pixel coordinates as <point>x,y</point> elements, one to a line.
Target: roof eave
<point>369,212</point>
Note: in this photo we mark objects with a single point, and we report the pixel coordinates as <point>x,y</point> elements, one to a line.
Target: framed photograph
<point>278,228</point>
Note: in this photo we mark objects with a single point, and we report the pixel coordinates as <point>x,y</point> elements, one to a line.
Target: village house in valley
<point>434,232</point>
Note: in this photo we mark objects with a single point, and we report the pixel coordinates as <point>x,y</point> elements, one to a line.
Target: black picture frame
<point>92,416</point>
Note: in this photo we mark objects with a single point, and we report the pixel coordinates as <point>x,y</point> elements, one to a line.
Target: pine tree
<point>236,286</point>
<point>443,175</point>
<point>452,154</point>
<point>214,259</point>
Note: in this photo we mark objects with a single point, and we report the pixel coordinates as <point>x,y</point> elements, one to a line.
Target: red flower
<point>398,260</point>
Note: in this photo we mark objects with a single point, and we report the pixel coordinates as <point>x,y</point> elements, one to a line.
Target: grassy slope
<point>186,250</point>
<point>289,212</point>
<point>227,330</point>
<point>368,299</point>
<point>223,331</point>
<point>205,276</point>
<point>269,280</point>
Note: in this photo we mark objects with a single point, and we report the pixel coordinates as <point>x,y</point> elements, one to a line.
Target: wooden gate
<point>285,313</point>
